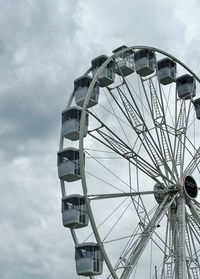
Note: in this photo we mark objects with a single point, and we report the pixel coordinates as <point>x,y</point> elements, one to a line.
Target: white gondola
<point>107,75</point>
<point>186,86</point>
<point>74,212</point>
<point>144,62</point>
<point>197,107</point>
<point>71,119</point>
<point>166,71</point>
<point>81,86</point>
<point>69,164</point>
<point>89,259</point>
<point>124,62</point>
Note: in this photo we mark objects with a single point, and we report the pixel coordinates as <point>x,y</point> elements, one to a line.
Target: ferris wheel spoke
<point>187,115</point>
<point>181,127</point>
<point>108,217</point>
<point>165,131</point>
<point>143,240</point>
<point>120,195</point>
<point>157,109</point>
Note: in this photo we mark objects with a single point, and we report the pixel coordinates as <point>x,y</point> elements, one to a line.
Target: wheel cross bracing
<point>134,166</point>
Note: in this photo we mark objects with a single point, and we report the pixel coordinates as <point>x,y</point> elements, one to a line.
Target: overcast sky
<point>44,46</point>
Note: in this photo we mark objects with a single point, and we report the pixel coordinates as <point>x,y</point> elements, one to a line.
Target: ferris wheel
<point>128,164</point>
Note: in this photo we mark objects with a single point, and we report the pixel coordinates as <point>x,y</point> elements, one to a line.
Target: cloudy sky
<point>44,46</point>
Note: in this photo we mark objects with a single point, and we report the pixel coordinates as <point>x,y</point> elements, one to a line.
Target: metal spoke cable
<point>117,118</point>
<point>128,248</point>
<point>192,145</point>
<point>102,180</point>
<point>114,225</point>
<point>139,198</point>
<point>115,209</point>
<point>134,145</point>
<point>127,124</point>
<point>138,97</point>
<point>130,241</point>
<point>159,237</point>
<point>122,258</point>
<point>113,187</point>
<point>167,104</point>
<point>98,150</point>
<point>116,176</point>
<point>121,238</point>
<point>191,123</point>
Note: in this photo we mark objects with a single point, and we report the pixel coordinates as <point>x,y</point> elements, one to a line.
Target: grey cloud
<point>35,51</point>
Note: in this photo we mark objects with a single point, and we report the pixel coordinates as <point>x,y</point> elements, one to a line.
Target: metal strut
<point>180,264</point>
<point>167,154</point>
<point>155,100</point>
<point>180,130</point>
